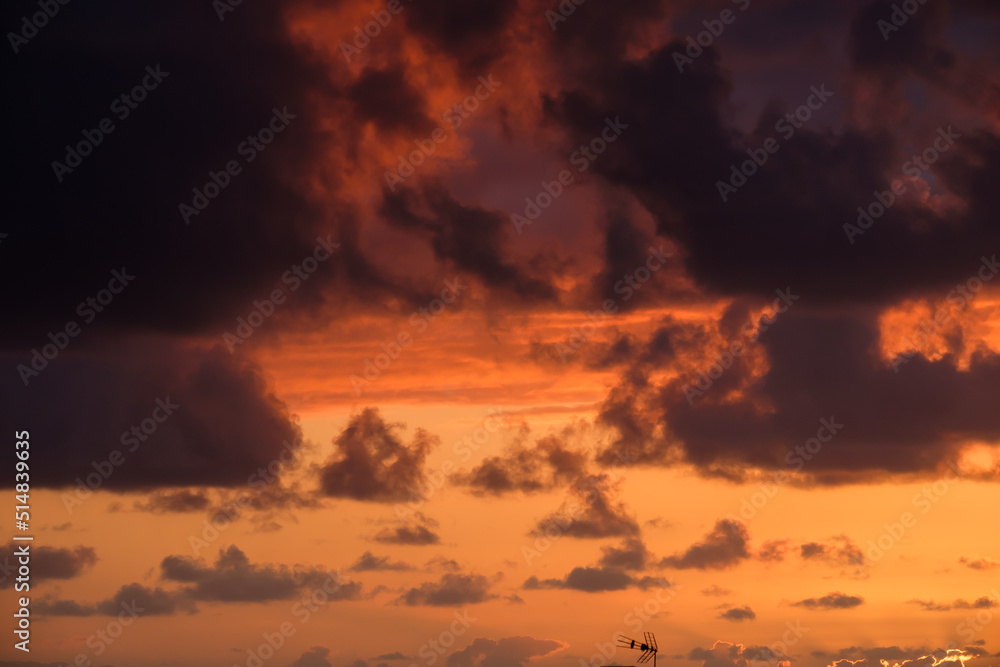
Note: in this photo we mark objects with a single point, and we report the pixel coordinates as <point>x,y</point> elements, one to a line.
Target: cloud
<point>54,562</point>
<point>132,599</point>
<point>738,614</point>
<point>177,415</point>
<point>451,590</point>
<point>368,562</point>
<point>504,652</point>
<point>908,658</point>
<point>184,500</point>
<point>979,563</point>
<point>724,547</point>
<point>372,463</point>
<point>724,654</point>
<point>419,533</point>
<point>715,591</point>
<point>841,552</point>
<point>469,237</point>
<point>930,605</point>
<point>631,555</point>
<point>773,551</point>
<point>983,602</point>
<point>831,601</point>
<point>543,466</point>
<point>233,578</point>
<point>872,654</point>
<point>587,579</point>
<point>596,580</point>
<point>592,511</point>
<point>442,563</point>
<point>314,657</point>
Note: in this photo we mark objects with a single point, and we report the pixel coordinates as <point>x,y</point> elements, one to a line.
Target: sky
<point>447,334</point>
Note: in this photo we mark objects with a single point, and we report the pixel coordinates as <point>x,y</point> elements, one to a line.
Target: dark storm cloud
<point>725,546</point>
<point>470,33</point>
<point>372,463</point>
<point>889,422</point>
<point>806,192</point>
<point>54,562</point>
<point>541,466</point>
<point>738,614</point>
<point>504,652</point>
<point>595,35</point>
<point>919,45</point>
<point>233,578</point>
<point>386,98</point>
<point>592,511</point>
<point>451,590</point>
<point>831,601</point>
<point>177,415</point>
<point>468,237</point>
<point>626,248</point>
<point>369,562</point>
<point>218,83</point>
<point>863,415</point>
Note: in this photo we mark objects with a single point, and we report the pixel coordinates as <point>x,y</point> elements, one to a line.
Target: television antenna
<point>648,647</point>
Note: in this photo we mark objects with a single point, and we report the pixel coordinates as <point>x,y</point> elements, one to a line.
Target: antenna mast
<point>647,647</point>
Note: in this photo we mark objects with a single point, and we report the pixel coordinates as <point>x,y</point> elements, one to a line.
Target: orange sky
<point>740,423</point>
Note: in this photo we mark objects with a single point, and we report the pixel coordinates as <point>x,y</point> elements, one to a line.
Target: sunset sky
<point>430,333</point>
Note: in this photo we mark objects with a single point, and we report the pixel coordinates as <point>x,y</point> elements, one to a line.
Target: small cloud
<point>738,614</point>
<point>831,601</point>
<point>373,464</point>
<point>597,580</point>
<point>368,562</point>
<point>451,590</point>
<point>724,547</point>
<point>419,534</point>
<point>54,563</point>
<point>979,563</point>
<point>181,501</point>
<point>631,555</point>
<point>715,591</point>
<point>773,551</point>
<point>314,657</point>
<point>930,605</point>
<point>505,652</point>
<point>442,563</point>
<point>593,510</point>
